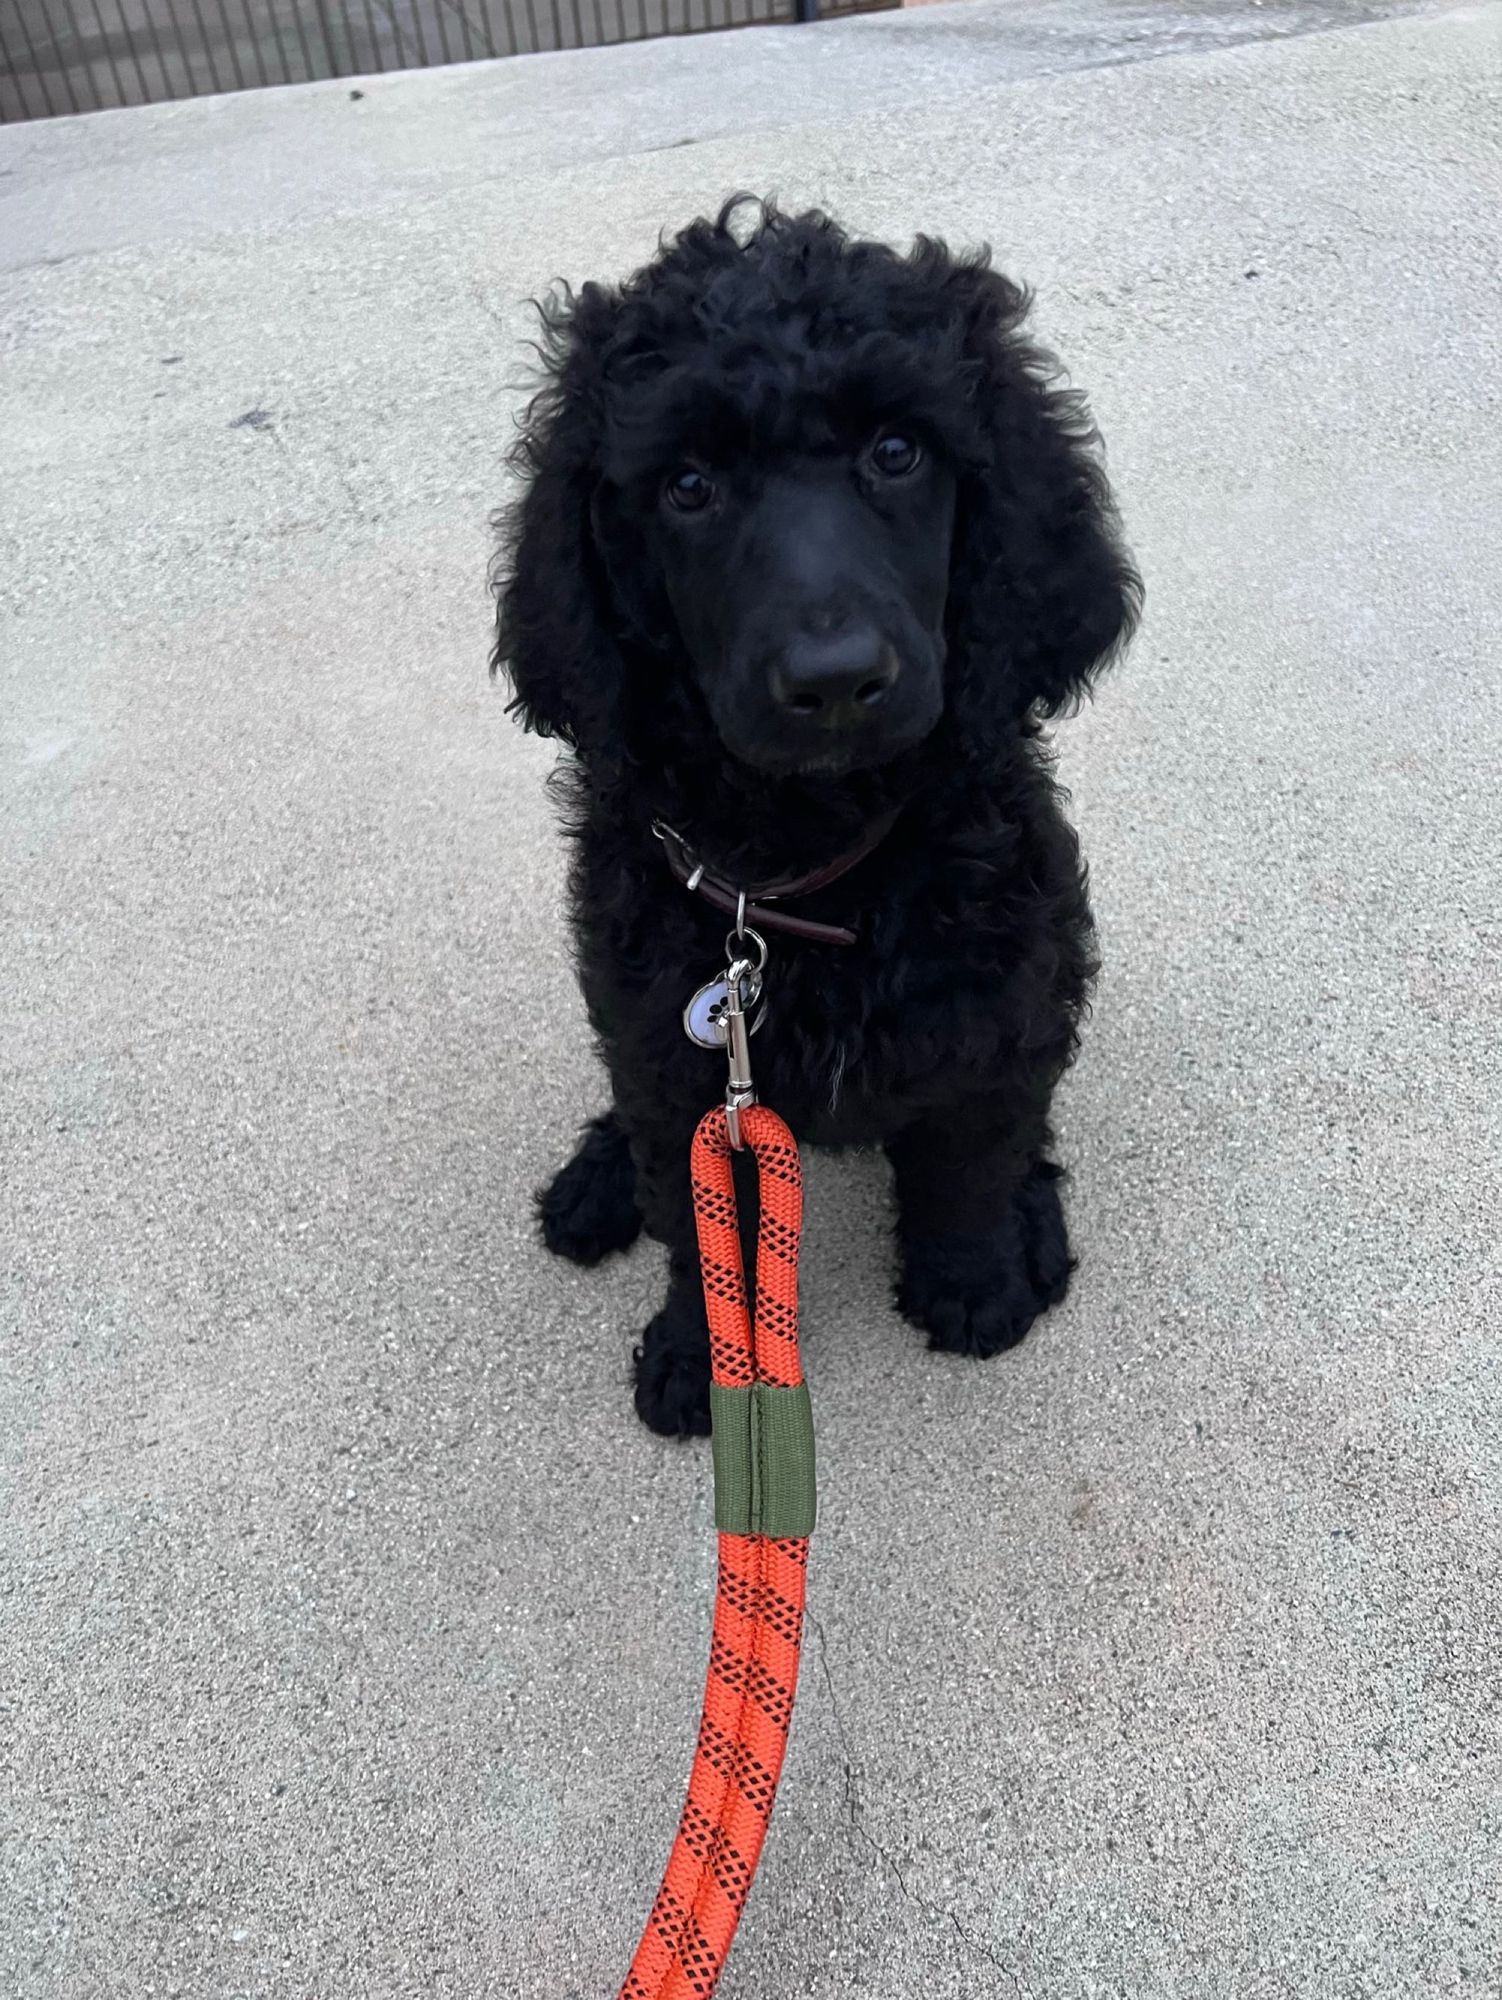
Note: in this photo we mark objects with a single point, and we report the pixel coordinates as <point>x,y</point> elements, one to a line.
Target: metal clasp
<point>740,1090</point>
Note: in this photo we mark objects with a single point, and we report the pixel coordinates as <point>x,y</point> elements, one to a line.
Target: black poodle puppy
<point>809,542</point>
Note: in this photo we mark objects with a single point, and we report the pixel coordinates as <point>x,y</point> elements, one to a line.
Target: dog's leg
<point>672,1362</point>
<point>589,1207</point>
<point>982,1236</point>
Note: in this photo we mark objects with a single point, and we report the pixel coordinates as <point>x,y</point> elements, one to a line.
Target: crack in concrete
<point>931,1909</point>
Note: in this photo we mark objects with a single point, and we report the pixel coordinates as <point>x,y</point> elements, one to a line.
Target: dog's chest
<point>854,1040</point>
<point>959,970</point>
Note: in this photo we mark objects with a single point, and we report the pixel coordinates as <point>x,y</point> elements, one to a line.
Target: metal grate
<point>60,56</point>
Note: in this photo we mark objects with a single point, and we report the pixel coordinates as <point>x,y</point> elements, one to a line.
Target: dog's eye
<point>894,455</point>
<point>689,490</point>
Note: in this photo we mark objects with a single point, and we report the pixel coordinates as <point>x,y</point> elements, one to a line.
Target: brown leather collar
<point>751,902</point>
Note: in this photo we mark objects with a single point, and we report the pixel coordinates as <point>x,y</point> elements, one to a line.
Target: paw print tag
<point>704,1016</point>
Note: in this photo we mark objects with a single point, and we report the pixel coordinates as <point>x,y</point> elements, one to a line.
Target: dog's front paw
<point>589,1208</point>
<point>980,1294</point>
<point>672,1368</point>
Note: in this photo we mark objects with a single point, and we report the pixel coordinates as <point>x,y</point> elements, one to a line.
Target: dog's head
<point>807,496</point>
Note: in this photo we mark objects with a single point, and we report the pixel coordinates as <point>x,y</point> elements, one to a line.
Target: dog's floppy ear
<point>1042,593</point>
<point>553,635</point>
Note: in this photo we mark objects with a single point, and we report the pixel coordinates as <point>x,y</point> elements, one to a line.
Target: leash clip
<point>742,984</point>
<point>727,1012</point>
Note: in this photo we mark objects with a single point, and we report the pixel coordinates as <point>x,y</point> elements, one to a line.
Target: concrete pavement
<point>352,1631</point>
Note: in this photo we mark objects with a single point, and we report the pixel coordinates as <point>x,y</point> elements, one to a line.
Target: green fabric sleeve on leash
<point>763,1444</point>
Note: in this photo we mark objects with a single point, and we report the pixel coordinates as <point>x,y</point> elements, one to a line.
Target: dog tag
<point>704,1016</point>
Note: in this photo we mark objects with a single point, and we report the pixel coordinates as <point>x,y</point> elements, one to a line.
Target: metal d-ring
<point>735,948</point>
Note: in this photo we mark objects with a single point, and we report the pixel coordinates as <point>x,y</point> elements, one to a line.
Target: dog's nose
<point>836,676</point>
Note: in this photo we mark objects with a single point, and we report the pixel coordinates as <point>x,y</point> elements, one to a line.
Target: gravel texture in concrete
<point>352,1630</point>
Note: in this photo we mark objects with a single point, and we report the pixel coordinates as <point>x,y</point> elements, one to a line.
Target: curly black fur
<point>589,1208</point>
<point>942,1033</point>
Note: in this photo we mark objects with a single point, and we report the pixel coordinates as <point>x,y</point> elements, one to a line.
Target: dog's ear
<point>554,639</point>
<point>1042,593</point>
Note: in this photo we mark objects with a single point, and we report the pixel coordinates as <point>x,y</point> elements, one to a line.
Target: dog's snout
<point>835,673</point>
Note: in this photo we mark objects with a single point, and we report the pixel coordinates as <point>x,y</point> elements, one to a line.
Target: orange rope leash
<point>758,1620</point>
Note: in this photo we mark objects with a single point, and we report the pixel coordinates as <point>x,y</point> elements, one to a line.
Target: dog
<point>809,543</point>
